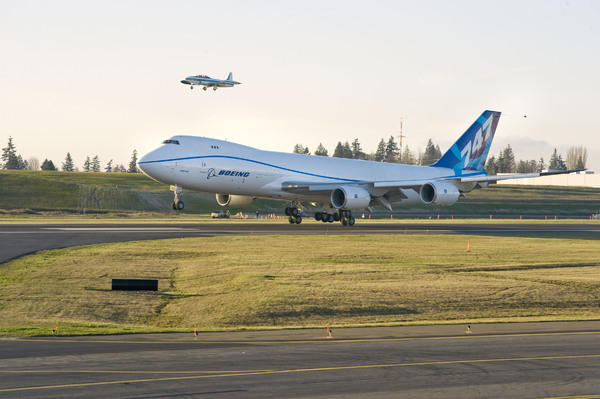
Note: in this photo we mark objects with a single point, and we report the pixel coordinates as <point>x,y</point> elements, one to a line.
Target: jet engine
<point>350,197</point>
<point>439,193</point>
<point>238,201</point>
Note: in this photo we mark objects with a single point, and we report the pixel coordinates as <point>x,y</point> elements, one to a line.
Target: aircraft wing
<point>495,178</point>
<point>305,187</point>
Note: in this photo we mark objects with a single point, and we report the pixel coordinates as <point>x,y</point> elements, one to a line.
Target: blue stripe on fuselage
<point>253,161</point>
<point>288,169</point>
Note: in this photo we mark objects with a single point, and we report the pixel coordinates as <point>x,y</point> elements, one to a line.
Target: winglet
<point>470,151</point>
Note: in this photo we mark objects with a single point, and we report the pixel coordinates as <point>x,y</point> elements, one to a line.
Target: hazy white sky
<point>102,77</point>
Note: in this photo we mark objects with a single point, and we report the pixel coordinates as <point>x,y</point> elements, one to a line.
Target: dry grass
<point>299,281</point>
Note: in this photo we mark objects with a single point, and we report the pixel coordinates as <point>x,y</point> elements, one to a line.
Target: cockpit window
<point>171,142</point>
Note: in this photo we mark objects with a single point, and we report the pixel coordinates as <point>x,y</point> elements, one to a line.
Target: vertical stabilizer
<point>230,77</point>
<point>471,150</point>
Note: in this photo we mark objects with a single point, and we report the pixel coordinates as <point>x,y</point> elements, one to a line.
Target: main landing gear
<point>177,204</point>
<point>343,216</point>
<point>294,215</point>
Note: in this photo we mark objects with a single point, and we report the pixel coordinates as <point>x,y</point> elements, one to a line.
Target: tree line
<point>12,160</point>
<point>387,151</point>
<point>504,162</point>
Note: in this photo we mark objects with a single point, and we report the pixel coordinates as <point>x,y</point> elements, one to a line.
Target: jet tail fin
<point>470,151</point>
<point>230,77</point>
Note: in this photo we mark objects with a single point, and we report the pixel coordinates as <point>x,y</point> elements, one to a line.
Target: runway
<point>537,360</point>
<point>20,239</point>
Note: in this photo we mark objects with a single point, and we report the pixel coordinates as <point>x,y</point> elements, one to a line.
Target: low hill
<point>133,192</point>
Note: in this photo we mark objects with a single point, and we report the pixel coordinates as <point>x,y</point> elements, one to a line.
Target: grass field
<point>301,281</point>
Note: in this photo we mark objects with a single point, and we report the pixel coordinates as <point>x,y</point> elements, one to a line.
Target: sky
<point>103,77</point>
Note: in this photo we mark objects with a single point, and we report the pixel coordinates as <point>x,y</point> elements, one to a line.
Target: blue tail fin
<point>471,150</point>
<point>230,77</point>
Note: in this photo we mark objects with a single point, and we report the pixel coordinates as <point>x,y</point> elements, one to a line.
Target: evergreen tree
<point>338,152</point>
<point>321,151</point>
<point>491,165</point>
<point>407,157</point>
<point>48,165</point>
<point>541,165</point>
<point>392,152</point>
<point>87,165</point>
<point>109,167</point>
<point>556,162</point>
<point>431,154</point>
<point>300,149</point>
<point>10,158</point>
<point>9,155</point>
<point>527,166</point>
<point>133,163</point>
<point>347,150</point>
<point>380,153</point>
<point>96,164</point>
<point>68,166</point>
<point>357,152</point>
<point>508,164</point>
<point>499,162</point>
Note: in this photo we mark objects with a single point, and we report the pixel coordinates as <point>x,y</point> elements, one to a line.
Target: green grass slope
<point>98,192</point>
<point>134,192</point>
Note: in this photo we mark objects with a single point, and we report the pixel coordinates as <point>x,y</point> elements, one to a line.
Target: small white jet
<point>331,187</point>
<point>207,81</point>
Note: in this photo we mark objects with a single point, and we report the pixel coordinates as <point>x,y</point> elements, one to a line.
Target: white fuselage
<point>221,167</point>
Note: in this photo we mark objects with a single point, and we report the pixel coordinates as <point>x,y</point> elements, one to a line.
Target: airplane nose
<point>147,163</point>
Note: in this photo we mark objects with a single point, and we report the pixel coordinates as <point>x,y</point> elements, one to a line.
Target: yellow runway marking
<point>265,372</point>
<point>577,397</point>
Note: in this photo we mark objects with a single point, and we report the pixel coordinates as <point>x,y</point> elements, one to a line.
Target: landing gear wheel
<point>298,219</point>
<point>179,205</point>
<point>204,88</point>
<point>292,220</point>
<point>318,216</point>
<point>174,206</point>
<point>346,218</point>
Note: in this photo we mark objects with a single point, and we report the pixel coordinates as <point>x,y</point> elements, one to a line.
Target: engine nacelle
<point>350,197</point>
<point>238,201</point>
<point>439,193</point>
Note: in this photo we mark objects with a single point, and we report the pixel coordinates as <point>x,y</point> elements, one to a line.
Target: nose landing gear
<point>177,204</point>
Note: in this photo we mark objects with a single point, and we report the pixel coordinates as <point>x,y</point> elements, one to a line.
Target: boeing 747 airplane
<point>331,187</point>
<point>207,81</point>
